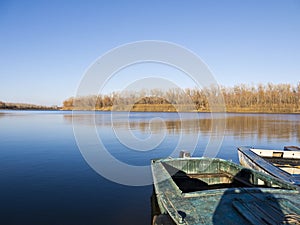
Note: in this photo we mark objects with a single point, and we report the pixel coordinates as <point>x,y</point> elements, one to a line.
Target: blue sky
<point>46,46</point>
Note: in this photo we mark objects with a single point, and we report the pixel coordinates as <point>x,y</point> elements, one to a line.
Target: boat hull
<point>249,158</point>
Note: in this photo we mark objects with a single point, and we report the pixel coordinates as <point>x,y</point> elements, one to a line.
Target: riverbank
<point>25,106</point>
<point>184,108</point>
<point>153,108</point>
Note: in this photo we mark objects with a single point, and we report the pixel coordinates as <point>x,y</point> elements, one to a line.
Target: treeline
<point>281,98</point>
<point>24,106</point>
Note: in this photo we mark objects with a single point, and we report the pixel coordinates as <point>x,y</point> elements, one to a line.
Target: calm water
<point>45,179</point>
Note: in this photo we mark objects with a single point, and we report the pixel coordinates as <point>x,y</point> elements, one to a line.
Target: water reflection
<point>260,126</point>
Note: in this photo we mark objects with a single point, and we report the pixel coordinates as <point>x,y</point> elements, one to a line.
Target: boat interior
<point>190,176</point>
<point>289,161</point>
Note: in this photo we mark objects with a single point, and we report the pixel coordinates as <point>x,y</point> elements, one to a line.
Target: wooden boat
<point>215,191</point>
<point>283,164</point>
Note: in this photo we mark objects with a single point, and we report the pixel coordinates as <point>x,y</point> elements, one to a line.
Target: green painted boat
<point>215,191</point>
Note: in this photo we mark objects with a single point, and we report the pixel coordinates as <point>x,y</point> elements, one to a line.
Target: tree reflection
<point>257,126</point>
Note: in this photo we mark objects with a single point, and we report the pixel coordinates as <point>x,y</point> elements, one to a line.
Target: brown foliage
<point>281,98</point>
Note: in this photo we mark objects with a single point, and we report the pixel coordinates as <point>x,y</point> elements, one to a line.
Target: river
<point>45,171</point>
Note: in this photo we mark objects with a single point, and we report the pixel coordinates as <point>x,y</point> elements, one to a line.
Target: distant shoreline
<point>25,106</point>
<point>235,112</point>
<point>183,108</point>
<point>138,108</point>
<point>89,110</point>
